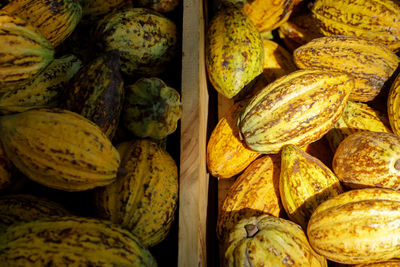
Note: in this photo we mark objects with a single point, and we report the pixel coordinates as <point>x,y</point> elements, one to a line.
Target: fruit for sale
<point>68,240</point>
<point>227,155</point>
<point>370,62</point>
<point>146,40</point>
<point>368,159</point>
<point>234,51</point>
<point>44,89</point>
<point>143,200</point>
<point>152,109</point>
<point>59,149</point>
<point>373,19</point>
<point>96,92</point>
<point>25,52</point>
<point>305,182</point>
<point>55,19</point>
<point>297,109</point>
<point>254,192</point>
<point>357,227</point>
<point>267,239</point>
<point>356,117</point>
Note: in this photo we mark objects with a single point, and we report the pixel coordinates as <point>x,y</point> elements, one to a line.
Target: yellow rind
<point>305,182</point>
<point>278,242</point>
<point>144,200</point>
<point>297,109</point>
<point>357,227</point>
<point>253,193</point>
<point>59,149</point>
<point>370,62</point>
<point>71,241</point>
<point>373,19</point>
<point>356,117</point>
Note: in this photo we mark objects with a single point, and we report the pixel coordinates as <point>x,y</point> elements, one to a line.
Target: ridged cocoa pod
<point>44,89</point>
<point>357,227</point>
<point>152,109</point>
<point>71,241</point>
<point>146,40</point>
<point>266,15</point>
<point>97,92</point>
<point>19,208</point>
<point>234,51</point>
<point>254,192</point>
<point>370,62</point>
<point>393,106</point>
<point>305,182</point>
<point>368,159</point>
<point>373,19</point>
<point>297,109</point>
<point>389,263</point>
<point>55,19</point>
<point>59,149</point>
<point>356,117</point>
<point>266,239</point>
<point>25,52</point>
<point>226,154</point>
<point>143,200</point>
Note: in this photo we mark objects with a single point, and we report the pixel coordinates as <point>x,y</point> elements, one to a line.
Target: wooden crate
<point>200,193</point>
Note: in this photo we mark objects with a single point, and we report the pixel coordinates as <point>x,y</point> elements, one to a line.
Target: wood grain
<point>193,192</point>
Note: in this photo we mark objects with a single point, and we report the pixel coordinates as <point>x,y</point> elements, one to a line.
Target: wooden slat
<point>193,192</point>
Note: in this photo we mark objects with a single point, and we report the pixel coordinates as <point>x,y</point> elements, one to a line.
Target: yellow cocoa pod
<point>265,14</point>
<point>297,109</point>
<point>71,241</point>
<point>389,263</point>
<point>371,63</point>
<point>227,155</point>
<point>254,192</point>
<point>357,227</point>
<point>265,239</point>
<point>393,106</point>
<point>143,200</point>
<point>356,117</point>
<point>24,52</point>
<point>55,19</point>
<point>234,51</point>
<point>373,19</point>
<point>305,182</point>
<point>368,159</point>
<point>59,149</point>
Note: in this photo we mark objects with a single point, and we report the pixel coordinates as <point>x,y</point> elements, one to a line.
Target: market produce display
<point>323,120</point>
<point>90,104</point>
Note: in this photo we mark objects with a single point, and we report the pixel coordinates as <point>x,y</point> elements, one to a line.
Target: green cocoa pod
<point>152,109</point>
<point>234,52</point>
<point>44,89</point>
<point>145,39</point>
<point>96,92</point>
